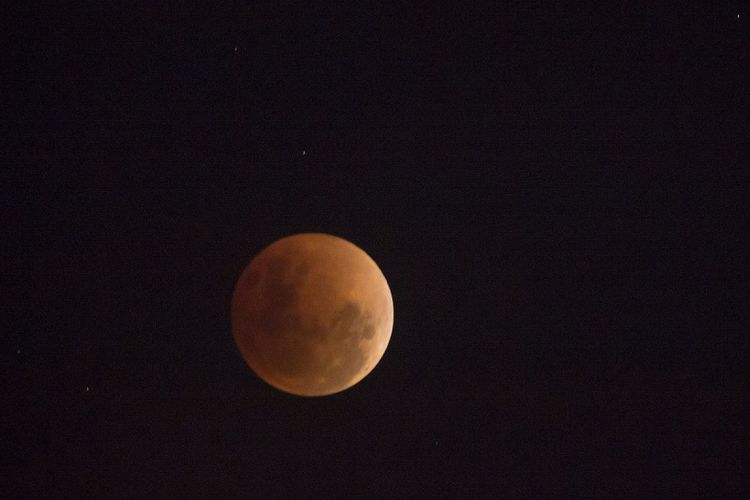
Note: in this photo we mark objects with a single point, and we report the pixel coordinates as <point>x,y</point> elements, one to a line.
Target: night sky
<point>555,195</point>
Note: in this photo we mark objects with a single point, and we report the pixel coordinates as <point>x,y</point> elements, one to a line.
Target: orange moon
<point>312,314</point>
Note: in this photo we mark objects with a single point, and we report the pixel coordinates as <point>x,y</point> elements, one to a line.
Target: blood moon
<point>312,314</point>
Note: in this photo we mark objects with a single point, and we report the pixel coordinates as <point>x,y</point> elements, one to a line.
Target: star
<point>235,49</point>
<point>88,388</point>
<point>304,152</point>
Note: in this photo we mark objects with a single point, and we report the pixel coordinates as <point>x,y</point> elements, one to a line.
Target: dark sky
<point>554,195</point>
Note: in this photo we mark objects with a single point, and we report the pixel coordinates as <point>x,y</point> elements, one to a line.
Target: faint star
<point>18,351</point>
<point>235,49</point>
<point>304,152</point>
<point>87,388</point>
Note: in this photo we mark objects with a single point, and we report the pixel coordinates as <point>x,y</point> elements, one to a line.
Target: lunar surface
<point>312,314</point>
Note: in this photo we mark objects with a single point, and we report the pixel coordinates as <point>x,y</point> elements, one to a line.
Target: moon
<point>312,314</point>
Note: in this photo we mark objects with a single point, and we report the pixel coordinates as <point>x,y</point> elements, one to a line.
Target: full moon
<point>312,314</point>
